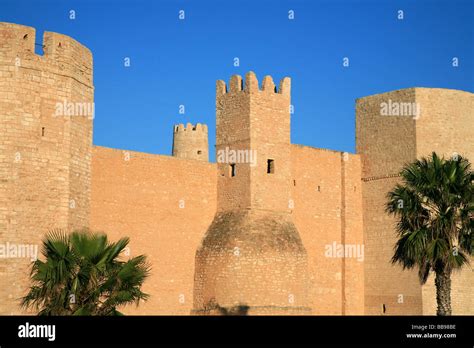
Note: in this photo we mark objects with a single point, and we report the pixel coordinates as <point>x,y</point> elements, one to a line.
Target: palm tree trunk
<point>443,292</point>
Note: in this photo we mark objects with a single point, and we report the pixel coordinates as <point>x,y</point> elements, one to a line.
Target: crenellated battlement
<point>277,207</point>
<point>62,54</point>
<point>190,128</point>
<point>251,85</point>
<point>190,141</point>
<point>51,180</point>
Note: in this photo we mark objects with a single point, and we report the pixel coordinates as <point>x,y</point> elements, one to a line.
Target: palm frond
<point>85,267</point>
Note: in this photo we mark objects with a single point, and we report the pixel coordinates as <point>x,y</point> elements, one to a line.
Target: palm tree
<point>434,206</point>
<point>83,275</point>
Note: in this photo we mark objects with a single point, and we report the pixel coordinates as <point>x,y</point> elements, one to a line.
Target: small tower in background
<point>191,142</point>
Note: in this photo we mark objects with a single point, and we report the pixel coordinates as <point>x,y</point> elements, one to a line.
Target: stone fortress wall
<point>274,227</point>
<point>444,124</point>
<point>45,154</point>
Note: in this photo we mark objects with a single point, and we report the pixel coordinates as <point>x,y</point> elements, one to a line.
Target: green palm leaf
<point>433,206</point>
<point>81,274</point>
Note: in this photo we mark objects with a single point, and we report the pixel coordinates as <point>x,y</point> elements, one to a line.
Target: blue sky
<point>176,62</point>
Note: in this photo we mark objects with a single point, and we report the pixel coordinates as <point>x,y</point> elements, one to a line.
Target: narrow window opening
<point>270,166</point>
<point>42,131</point>
<point>232,170</point>
<point>199,152</point>
<point>294,182</point>
<point>384,309</point>
<point>319,188</point>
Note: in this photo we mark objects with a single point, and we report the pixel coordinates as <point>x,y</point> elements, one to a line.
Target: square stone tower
<point>253,125</point>
<point>252,256</point>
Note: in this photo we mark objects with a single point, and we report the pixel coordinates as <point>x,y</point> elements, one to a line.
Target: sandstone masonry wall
<point>326,190</point>
<point>385,144</point>
<point>138,198</point>
<point>274,224</point>
<point>44,155</point>
<point>252,254</point>
<point>164,204</point>
<point>445,124</point>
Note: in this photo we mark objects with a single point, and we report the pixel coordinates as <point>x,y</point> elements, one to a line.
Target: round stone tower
<point>191,142</point>
<point>46,112</point>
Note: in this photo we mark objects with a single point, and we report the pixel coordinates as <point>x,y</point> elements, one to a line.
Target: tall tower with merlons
<point>252,256</point>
